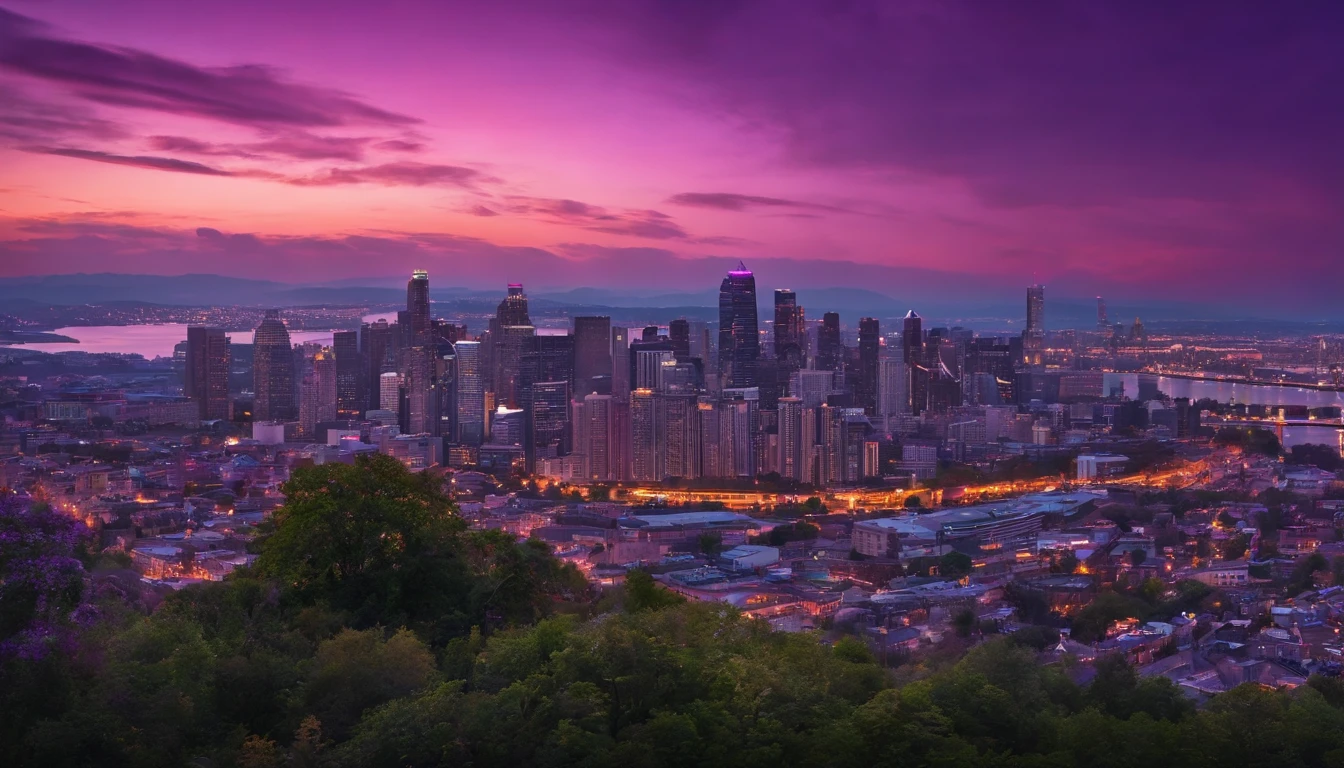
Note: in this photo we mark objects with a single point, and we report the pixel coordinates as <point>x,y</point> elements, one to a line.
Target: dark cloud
<point>137,161</point>
<point>648,224</point>
<point>401,145</point>
<point>481,210</point>
<point>729,201</point>
<point>25,119</point>
<point>398,174</point>
<point>251,95</point>
<point>296,145</point>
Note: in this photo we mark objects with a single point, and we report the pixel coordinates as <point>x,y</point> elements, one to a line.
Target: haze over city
<point>1150,154</point>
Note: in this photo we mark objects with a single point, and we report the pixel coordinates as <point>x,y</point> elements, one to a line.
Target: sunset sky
<point>1165,150</point>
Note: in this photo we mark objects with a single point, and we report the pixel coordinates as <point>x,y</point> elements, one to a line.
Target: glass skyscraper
<point>739,340</point>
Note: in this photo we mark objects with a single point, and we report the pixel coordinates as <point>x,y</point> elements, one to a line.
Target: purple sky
<point>1162,151</point>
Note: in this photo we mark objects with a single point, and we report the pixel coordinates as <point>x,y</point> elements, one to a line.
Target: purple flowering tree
<point>41,579</point>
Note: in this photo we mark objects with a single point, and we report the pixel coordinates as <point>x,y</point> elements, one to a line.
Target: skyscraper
<point>272,370</point>
<point>643,437</point>
<point>870,346</point>
<point>1033,337</point>
<point>600,437</point>
<point>510,331</point>
<point>789,333</point>
<point>207,373</point>
<point>912,353</point>
<point>679,333</point>
<point>592,356</point>
<point>893,388</point>
<point>548,423</point>
<point>381,346</point>
<point>1103,322</point>
<point>470,393</point>
<point>417,308</point>
<point>349,373</point>
<point>830,349</point>
<point>739,342</point>
<point>620,364</point>
<point>790,437</point>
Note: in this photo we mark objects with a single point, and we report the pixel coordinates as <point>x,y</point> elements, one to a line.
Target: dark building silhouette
<point>207,373</point>
<point>912,351</point>
<point>679,333</point>
<point>350,398</point>
<point>830,349</point>
<point>417,308</point>
<point>865,387</point>
<point>510,331</point>
<point>789,333</point>
<point>739,341</point>
<point>272,370</point>
<point>592,356</point>
<point>381,345</point>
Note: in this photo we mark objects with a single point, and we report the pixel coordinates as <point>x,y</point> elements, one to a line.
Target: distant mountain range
<point>851,303</point>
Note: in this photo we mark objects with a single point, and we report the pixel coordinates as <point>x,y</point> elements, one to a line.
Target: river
<point>1230,392</point>
<point>153,341</point>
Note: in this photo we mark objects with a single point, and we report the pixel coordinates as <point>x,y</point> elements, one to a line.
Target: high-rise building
<point>470,393</point>
<point>417,308</point>
<point>620,364</point>
<point>1033,337</point>
<point>830,349</point>
<point>739,342</point>
<point>912,354</point>
<point>649,367</point>
<point>791,452</point>
<point>743,414</point>
<point>272,370</point>
<point>349,374</point>
<point>1103,322</point>
<point>548,422</point>
<point>207,371</point>
<point>592,356</point>
<point>420,369</point>
<point>325,373</point>
<point>893,388</point>
<point>599,438</point>
<point>677,428</point>
<point>679,333</point>
<point>380,343</point>
<point>870,347</point>
<point>643,436</point>
<point>790,333</point>
<point>389,392</point>
<point>511,330</point>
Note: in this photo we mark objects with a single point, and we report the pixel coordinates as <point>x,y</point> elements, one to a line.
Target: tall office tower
<point>549,429</point>
<point>349,373</point>
<point>679,333</point>
<point>381,346</point>
<point>807,446</point>
<point>893,389</point>
<point>643,436</point>
<point>207,372</point>
<point>308,405</point>
<point>790,334</point>
<point>445,393</point>
<point>620,364</point>
<point>812,386</point>
<point>830,349</point>
<point>678,432</point>
<point>739,343</point>
<point>790,437</point>
<point>598,437</point>
<point>510,331</point>
<point>389,392</point>
<point>650,334</point>
<point>912,353</point>
<point>420,368</point>
<point>470,393</point>
<point>830,442</point>
<point>649,367</point>
<point>870,348</point>
<point>546,357</point>
<point>325,374</point>
<point>272,370</point>
<point>1033,337</point>
<point>1103,322</point>
<point>592,356</point>
<point>417,308</point>
<point>714,450</point>
<point>743,406</point>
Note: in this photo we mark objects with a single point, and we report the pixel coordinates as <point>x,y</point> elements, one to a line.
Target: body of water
<point>153,341</point>
<point>1230,392</point>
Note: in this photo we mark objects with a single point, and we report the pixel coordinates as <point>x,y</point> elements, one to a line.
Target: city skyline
<point>1124,157</point>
